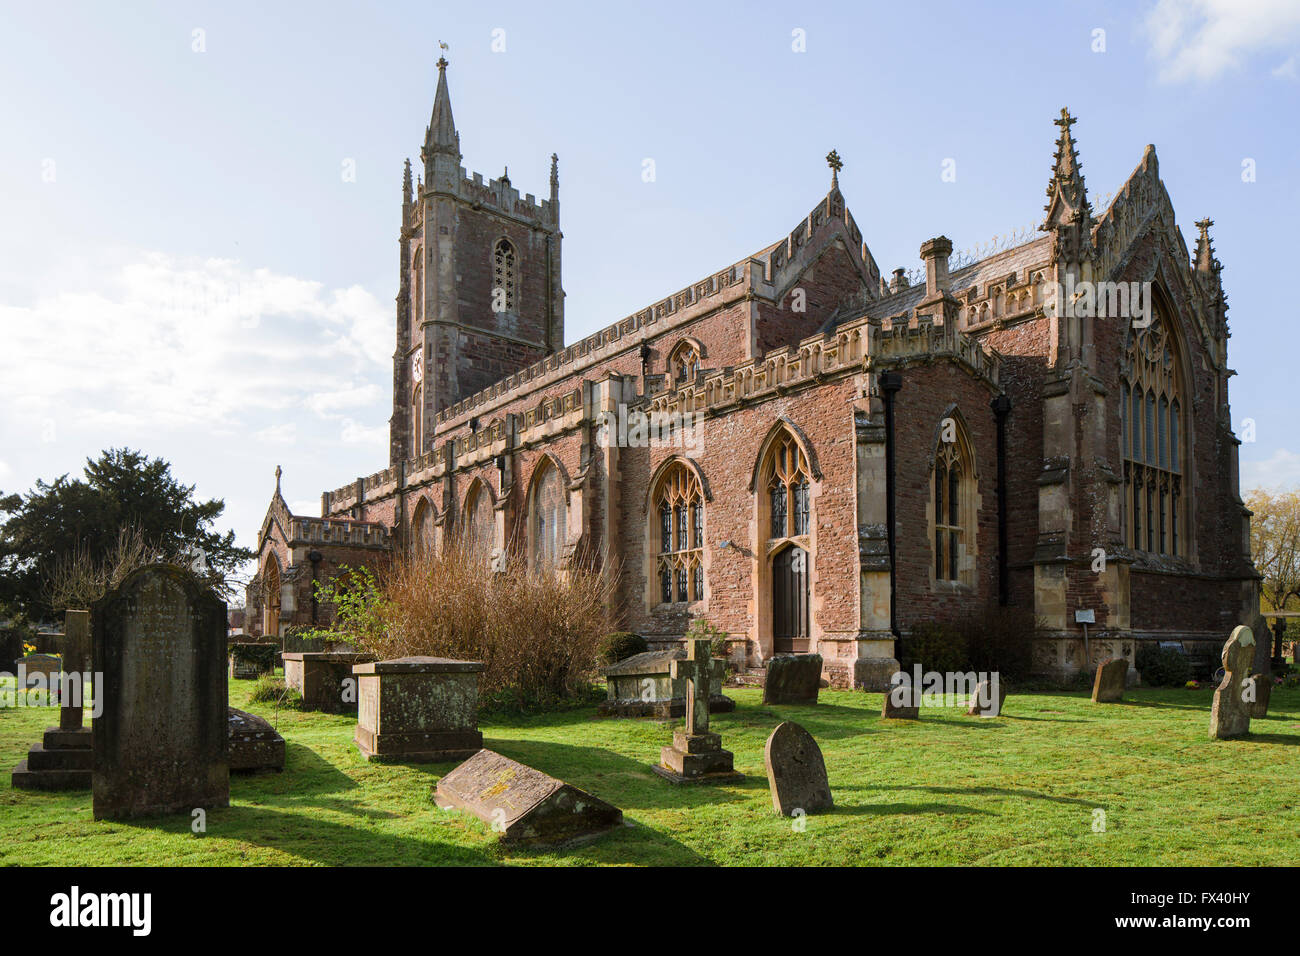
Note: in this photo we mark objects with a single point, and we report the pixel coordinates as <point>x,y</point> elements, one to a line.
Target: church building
<point>850,454</point>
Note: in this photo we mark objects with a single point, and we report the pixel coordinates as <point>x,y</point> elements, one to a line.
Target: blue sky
<point>185,268</point>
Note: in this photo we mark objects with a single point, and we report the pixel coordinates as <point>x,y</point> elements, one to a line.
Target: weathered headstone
<point>792,679</point>
<point>902,699</point>
<point>1108,685</point>
<point>696,755</point>
<point>1230,712</point>
<point>161,742</point>
<point>63,759</point>
<point>642,686</point>
<point>523,805</point>
<point>796,771</point>
<point>40,670</point>
<point>1263,688</point>
<point>418,709</point>
<point>324,679</point>
<point>982,703</point>
<point>254,743</point>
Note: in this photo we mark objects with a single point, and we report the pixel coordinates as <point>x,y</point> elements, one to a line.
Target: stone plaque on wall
<point>161,741</point>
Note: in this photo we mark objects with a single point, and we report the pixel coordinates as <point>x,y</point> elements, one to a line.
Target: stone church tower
<point>479,293</point>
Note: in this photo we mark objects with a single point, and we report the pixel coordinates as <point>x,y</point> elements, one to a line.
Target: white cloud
<point>1280,470</point>
<point>166,342</point>
<point>1288,69</point>
<point>1202,39</point>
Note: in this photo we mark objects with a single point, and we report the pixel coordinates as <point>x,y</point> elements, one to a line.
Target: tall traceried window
<point>1151,429</point>
<point>548,515</point>
<point>677,516</point>
<point>504,283</point>
<point>422,528</point>
<point>479,529</point>
<point>786,476</point>
<point>954,504</point>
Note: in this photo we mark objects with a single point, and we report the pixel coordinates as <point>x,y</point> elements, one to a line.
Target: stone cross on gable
<point>700,670</point>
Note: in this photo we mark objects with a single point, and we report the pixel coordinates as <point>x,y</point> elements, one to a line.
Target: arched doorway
<point>790,601</point>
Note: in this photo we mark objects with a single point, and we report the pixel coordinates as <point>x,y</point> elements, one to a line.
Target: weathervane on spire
<point>836,164</point>
<point>442,60</point>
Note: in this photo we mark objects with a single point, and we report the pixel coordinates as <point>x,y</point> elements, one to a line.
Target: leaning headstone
<point>1263,685</point>
<point>324,679</point>
<point>642,686</point>
<point>161,741</point>
<point>254,743</point>
<point>696,755</point>
<point>1230,713</point>
<point>63,760</point>
<point>523,805</point>
<point>1108,685</point>
<point>418,709</point>
<point>792,679</point>
<point>902,699</point>
<point>982,702</point>
<point>796,771</point>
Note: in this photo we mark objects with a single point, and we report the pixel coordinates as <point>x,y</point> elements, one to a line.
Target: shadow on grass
<point>905,809</point>
<point>982,792</point>
<point>1285,739</point>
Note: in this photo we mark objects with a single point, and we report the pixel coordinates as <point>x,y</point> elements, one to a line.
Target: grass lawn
<point>947,789</point>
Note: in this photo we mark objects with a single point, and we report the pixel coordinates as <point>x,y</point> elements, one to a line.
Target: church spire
<point>555,178</point>
<point>406,184</point>
<point>1205,261</point>
<point>441,136</point>
<point>1067,197</point>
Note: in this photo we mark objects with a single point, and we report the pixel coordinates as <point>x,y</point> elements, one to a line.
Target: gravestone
<point>642,686</point>
<point>796,771</point>
<point>1230,713</point>
<point>523,805</point>
<point>1263,691</point>
<point>696,755</point>
<point>250,660</point>
<point>792,679</point>
<point>320,676</point>
<point>41,670</point>
<point>254,743</point>
<point>982,703</point>
<point>161,742</point>
<point>63,760</point>
<point>418,709</point>
<point>902,700</point>
<point>1108,685</point>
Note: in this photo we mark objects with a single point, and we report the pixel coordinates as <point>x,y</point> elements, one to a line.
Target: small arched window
<point>677,531</point>
<point>684,363</point>
<point>548,515</point>
<point>479,521</point>
<point>504,284</point>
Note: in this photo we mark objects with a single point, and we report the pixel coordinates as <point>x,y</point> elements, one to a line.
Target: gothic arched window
<point>684,363</point>
<point>954,505</point>
<point>548,515</point>
<point>1151,430</point>
<point>786,478</point>
<point>479,521</point>
<point>504,285</point>
<point>422,528</point>
<point>677,530</point>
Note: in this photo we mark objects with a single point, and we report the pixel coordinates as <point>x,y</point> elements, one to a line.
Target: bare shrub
<point>538,631</point>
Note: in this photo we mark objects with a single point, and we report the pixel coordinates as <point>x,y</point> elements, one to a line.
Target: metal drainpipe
<point>1001,408</point>
<point>890,383</point>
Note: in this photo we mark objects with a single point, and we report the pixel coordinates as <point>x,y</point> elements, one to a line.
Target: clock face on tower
<point>417,367</point>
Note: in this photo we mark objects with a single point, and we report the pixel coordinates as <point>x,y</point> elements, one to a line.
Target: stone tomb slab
<point>524,805</point>
<point>1108,685</point>
<point>161,743</point>
<point>792,679</point>
<point>642,686</point>
<point>796,771</point>
<point>319,675</point>
<point>418,709</point>
<point>254,743</point>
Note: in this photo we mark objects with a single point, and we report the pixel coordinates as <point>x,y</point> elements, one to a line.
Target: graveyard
<point>1023,788</point>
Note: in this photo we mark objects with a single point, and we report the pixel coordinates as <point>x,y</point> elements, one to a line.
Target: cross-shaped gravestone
<point>698,669</point>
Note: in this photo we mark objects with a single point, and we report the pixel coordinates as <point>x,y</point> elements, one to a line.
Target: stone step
<point>39,758</point>
<point>58,739</point>
<point>25,779</point>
